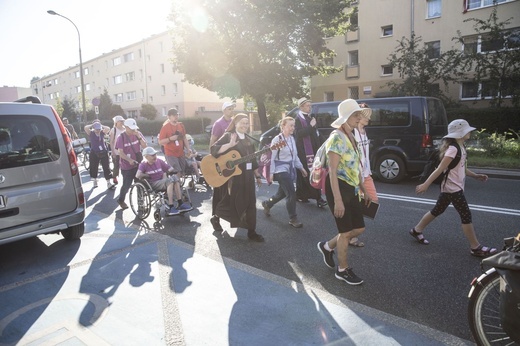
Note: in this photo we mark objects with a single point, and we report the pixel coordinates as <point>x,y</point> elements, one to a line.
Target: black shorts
<point>353,216</point>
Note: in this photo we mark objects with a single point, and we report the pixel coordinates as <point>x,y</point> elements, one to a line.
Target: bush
<point>496,144</point>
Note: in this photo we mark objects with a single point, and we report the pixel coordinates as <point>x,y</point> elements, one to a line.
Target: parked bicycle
<point>494,298</point>
<point>82,152</point>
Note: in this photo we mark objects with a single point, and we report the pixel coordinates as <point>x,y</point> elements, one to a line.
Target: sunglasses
<point>363,105</point>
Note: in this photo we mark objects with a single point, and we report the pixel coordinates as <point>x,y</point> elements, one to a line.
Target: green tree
<point>105,105</point>
<point>69,109</point>
<point>116,110</point>
<point>148,111</point>
<point>260,48</point>
<point>422,69</point>
<point>59,107</point>
<point>497,65</point>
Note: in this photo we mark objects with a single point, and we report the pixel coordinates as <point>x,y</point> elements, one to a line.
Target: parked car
<point>40,185</point>
<point>403,132</point>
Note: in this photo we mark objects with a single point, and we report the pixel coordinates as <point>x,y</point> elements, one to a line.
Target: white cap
<point>228,104</point>
<point>149,151</point>
<point>118,118</point>
<point>131,124</point>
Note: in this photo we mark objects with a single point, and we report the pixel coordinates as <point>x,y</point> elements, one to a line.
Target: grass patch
<point>479,159</point>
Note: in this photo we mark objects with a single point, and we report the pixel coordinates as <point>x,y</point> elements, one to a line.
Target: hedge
<point>491,119</point>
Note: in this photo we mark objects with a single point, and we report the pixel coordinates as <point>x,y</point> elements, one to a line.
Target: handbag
<point>101,154</point>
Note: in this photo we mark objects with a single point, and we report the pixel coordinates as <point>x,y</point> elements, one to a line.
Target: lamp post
<point>84,115</point>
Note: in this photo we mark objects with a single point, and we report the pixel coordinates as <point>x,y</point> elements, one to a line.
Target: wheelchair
<point>143,199</point>
<point>190,176</point>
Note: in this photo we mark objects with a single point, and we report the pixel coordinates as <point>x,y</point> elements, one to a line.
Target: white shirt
<point>363,144</point>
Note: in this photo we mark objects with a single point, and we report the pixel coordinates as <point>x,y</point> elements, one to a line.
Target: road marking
<point>478,207</point>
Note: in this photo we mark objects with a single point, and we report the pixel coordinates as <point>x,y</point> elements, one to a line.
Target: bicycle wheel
<point>140,201</point>
<point>86,159</point>
<point>484,312</point>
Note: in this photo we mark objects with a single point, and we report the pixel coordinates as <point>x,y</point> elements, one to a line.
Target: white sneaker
<point>110,185</point>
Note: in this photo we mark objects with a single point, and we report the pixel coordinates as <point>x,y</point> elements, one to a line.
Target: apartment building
<point>139,73</point>
<point>380,24</point>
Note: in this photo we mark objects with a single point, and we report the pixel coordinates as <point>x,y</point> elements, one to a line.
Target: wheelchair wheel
<point>140,201</point>
<point>484,312</point>
<point>157,215</point>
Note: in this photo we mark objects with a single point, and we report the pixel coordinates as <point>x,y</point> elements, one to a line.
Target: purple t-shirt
<point>155,170</point>
<point>130,145</point>
<point>220,126</point>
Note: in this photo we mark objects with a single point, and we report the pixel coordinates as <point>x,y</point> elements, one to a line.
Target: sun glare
<point>199,20</point>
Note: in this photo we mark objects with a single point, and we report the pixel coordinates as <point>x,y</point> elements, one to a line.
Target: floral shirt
<point>348,166</point>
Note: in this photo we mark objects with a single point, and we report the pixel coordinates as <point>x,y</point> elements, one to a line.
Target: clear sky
<point>34,43</point>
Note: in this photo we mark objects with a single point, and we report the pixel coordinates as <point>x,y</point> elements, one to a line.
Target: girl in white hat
<point>452,188</point>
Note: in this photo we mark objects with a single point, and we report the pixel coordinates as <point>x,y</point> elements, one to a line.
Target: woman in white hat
<point>342,189</point>
<point>115,131</point>
<point>452,188</point>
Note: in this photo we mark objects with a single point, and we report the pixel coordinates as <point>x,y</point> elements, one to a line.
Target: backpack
<point>320,168</point>
<point>434,161</point>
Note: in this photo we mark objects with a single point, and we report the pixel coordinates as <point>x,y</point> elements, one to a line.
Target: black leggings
<point>459,203</point>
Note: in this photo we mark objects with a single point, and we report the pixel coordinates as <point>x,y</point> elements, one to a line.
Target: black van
<point>403,132</point>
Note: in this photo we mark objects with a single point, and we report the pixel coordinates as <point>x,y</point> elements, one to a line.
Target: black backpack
<point>434,161</point>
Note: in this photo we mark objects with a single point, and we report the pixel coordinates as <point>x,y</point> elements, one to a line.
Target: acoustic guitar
<point>217,171</point>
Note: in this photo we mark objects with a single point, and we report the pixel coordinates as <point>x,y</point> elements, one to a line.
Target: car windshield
<point>27,140</point>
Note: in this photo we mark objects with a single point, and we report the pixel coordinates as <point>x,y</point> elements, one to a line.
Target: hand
<point>271,178</point>
<point>422,188</point>
<point>339,209</point>
<point>258,181</point>
<point>481,177</point>
<point>367,199</point>
<point>313,122</point>
<point>304,172</point>
<point>233,141</point>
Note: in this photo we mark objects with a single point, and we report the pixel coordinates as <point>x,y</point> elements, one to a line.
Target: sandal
<point>419,237</point>
<point>483,251</point>
<point>356,243</point>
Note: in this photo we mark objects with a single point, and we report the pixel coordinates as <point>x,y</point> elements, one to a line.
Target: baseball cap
<point>118,118</point>
<point>96,126</point>
<point>131,124</point>
<point>227,105</point>
<point>149,151</point>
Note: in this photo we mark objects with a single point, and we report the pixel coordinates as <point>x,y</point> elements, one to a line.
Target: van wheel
<point>390,169</point>
<point>74,232</point>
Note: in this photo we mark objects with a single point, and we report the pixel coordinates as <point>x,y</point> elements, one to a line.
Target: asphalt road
<point>424,284</point>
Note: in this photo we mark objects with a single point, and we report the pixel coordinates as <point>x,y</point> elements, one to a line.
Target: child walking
<point>452,187</point>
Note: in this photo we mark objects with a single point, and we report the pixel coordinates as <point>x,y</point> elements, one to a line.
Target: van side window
<point>325,115</point>
<point>390,114</point>
<point>436,112</point>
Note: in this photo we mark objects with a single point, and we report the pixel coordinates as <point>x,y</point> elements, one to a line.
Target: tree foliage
<point>261,48</point>
<point>105,106</point>
<point>148,111</point>
<point>69,109</point>
<point>497,68</point>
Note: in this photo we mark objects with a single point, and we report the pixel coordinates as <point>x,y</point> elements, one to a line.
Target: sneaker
<point>110,185</point>
<point>327,255</point>
<point>185,207</point>
<point>122,204</point>
<point>95,182</point>
<point>115,181</point>
<point>321,203</point>
<point>348,276</point>
<point>267,209</point>
<point>295,223</point>
<point>173,211</point>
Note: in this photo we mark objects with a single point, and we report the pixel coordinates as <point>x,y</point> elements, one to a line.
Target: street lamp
<point>84,116</point>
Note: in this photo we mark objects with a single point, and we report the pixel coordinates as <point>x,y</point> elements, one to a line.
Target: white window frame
<point>476,4</point>
<point>384,30</point>
<point>131,95</point>
<point>128,57</point>
<point>117,79</point>
<point>353,62</point>
<point>118,97</point>
<point>383,67</point>
<point>436,50</point>
<point>116,61</point>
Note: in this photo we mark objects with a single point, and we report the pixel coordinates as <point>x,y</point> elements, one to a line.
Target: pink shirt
<point>457,175</point>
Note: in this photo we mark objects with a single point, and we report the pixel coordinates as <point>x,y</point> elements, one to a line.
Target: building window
<point>328,61</point>
<point>56,81</point>
<point>116,61</point>
<point>142,93</point>
<point>129,76</point>
<point>117,79</point>
<point>354,20</point>
<point>128,57</point>
<point>85,71</point>
<point>78,89</point>
<point>486,90</point>
<point>149,78</point>
<point>163,90</point>
<point>162,68</point>
<point>353,92</point>
<point>87,87</point>
<point>434,8</point>
<point>473,4</point>
<point>353,58</point>
<point>386,70</point>
<point>76,74</point>
<point>130,95</point>
<point>510,39</point>
<point>387,31</point>
<point>328,96</point>
<point>132,114</point>
<point>175,88</point>
<point>118,98</point>
<point>433,49</point>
